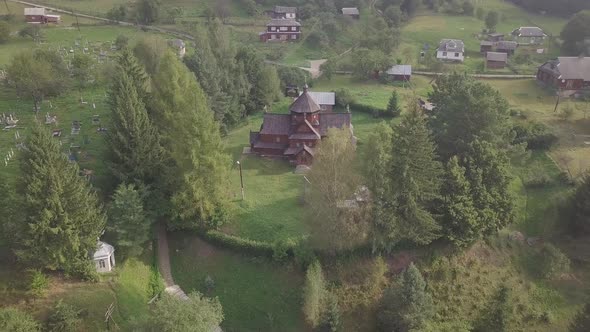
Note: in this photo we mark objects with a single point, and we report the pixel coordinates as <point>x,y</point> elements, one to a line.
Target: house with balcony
<point>281,30</point>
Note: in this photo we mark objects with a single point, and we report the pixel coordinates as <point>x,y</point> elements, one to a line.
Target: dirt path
<point>164,264</point>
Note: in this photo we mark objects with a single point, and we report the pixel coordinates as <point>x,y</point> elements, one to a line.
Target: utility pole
<point>241,178</point>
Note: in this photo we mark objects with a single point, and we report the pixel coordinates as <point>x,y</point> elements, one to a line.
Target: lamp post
<point>241,178</point>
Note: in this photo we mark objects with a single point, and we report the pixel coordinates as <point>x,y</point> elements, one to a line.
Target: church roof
<point>304,104</point>
<point>334,120</point>
<point>276,124</point>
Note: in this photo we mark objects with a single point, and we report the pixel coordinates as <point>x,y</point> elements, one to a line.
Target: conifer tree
<point>128,63</point>
<point>196,177</point>
<point>63,217</point>
<point>135,151</point>
<point>403,212</point>
<point>408,306</point>
<point>460,218</point>
<point>393,108</point>
<point>128,221</point>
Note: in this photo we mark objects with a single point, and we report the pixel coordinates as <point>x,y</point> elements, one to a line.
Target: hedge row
<point>235,242</point>
<point>374,111</point>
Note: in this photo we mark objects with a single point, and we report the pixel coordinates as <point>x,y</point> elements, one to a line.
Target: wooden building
<point>283,12</point>
<point>351,12</point>
<point>485,46</point>
<point>506,46</point>
<point>281,30</point>
<point>495,36</point>
<point>569,75</point>
<point>294,136</point>
<point>326,100</point>
<point>496,60</point>
<point>402,73</point>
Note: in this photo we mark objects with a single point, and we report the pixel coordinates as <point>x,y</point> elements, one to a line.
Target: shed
<point>400,72</point>
<point>485,46</point>
<point>104,257</point>
<point>352,12</point>
<point>495,36</point>
<point>506,46</point>
<point>35,15</point>
<point>496,60</point>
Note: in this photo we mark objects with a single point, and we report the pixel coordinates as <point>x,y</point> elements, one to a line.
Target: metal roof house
<point>529,35</point>
<point>104,257</point>
<point>451,49</point>
<point>569,75</point>
<point>400,72</point>
<point>326,100</point>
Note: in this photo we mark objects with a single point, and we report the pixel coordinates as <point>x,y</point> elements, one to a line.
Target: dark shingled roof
<point>451,45</point>
<point>506,45</point>
<point>304,104</point>
<point>283,22</point>
<point>497,56</point>
<point>572,68</point>
<point>529,32</point>
<point>254,136</point>
<point>333,120</point>
<point>486,43</point>
<point>276,124</point>
<point>284,10</point>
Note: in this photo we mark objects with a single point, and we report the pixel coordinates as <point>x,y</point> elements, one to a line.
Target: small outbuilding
<point>496,60</point>
<point>485,46</point>
<point>506,46</point>
<point>495,36</point>
<point>179,46</point>
<point>40,16</point>
<point>351,12</point>
<point>400,73</point>
<point>104,257</point>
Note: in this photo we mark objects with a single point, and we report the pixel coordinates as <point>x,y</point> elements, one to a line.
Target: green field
<point>256,294</point>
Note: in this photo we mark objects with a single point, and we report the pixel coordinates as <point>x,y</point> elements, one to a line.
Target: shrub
<point>344,97</point>
<point>314,293</point>
<point>376,112</point>
<point>12,319</point>
<point>281,248</point>
<point>83,269</point>
<point>303,254</point>
<point>537,136</point>
<point>333,315</point>
<point>64,318</point>
<point>155,284</point>
<point>537,180</point>
<point>208,284</point>
<point>553,261</point>
<point>566,113</point>
<point>38,284</point>
<point>235,242</point>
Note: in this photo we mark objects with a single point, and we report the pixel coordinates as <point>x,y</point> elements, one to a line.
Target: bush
<point>64,318</point>
<point>83,269</point>
<point>156,283</point>
<point>38,284</point>
<point>281,249</point>
<point>553,262</point>
<point>12,319</point>
<point>537,136</point>
<point>537,180</point>
<point>235,242</point>
<point>4,32</point>
<point>344,97</point>
<point>303,254</point>
<point>376,112</point>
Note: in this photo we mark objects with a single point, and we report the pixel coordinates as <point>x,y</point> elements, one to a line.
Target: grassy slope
<point>256,294</point>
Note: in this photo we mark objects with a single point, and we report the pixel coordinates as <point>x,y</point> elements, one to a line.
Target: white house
<point>451,49</point>
<point>104,257</point>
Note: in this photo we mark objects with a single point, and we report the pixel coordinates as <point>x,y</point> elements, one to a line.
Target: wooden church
<point>294,136</point>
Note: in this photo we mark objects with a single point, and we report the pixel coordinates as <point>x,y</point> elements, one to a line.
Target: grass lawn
<point>256,294</point>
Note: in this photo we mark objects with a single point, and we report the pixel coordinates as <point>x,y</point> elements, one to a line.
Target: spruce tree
<point>63,216</point>
<point>460,218</point>
<point>196,177</point>
<point>128,63</point>
<point>128,221</point>
<point>406,307</point>
<point>404,212</point>
<point>393,108</point>
<point>135,151</point>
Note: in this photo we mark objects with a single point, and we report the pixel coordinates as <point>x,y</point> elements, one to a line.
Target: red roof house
<point>294,136</point>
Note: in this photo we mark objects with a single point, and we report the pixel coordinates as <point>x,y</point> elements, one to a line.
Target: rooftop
<point>323,98</point>
<point>497,56</point>
<point>574,67</point>
<point>283,22</point>
<point>34,11</point>
<point>529,32</point>
<point>350,11</point>
<point>451,45</point>
<point>305,103</point>
<point>284,9</point>
<point>103,250</point>
<point>506,45</point>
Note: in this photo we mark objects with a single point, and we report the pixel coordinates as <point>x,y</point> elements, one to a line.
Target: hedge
<point>375,111</point>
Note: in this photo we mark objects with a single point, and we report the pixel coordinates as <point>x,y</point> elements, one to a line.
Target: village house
<point>400,73</point>
<point>351,12</point>
<point>496,60</point>
<point>40,16</point>
<point>281,30</point>
<point>529,35</point>
<point>294,136</point>
<point>569,75</point>
<point>282,12</point>
<point>451,49</point>
<point>495,36</point>
<point>179,46</point>
<point>506,46</point>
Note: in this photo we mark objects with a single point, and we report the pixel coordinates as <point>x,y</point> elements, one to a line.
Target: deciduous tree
<point>314,294</point>
<point>575,35</point>
<point>198,313</point>
<point>492,19</point>
<point>338,221</point>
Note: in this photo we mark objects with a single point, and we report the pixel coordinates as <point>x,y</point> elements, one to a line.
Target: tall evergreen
<point>128,221</point>
<point>135,152</point>
<point>196,177</point>
<point>128,63</point>
<point>63,216</point>
<point>403,212</point>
